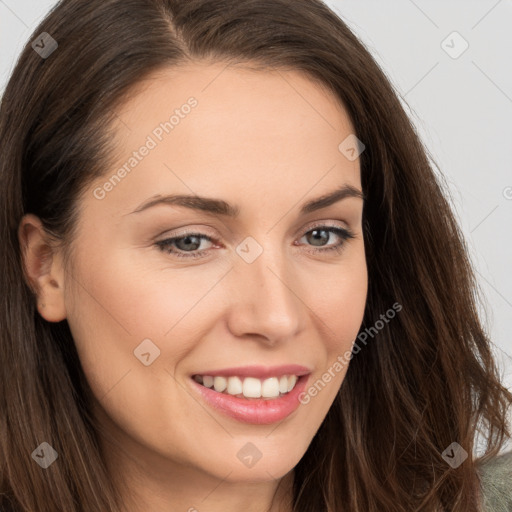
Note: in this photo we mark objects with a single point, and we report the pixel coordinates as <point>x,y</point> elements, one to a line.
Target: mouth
<point>251,388</point>
<point>253,395</point>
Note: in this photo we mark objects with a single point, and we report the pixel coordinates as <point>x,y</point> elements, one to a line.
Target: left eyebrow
<point>223,208</point>
<point>331,198</point>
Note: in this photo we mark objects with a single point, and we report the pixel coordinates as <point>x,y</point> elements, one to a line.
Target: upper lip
<point>258,371</point>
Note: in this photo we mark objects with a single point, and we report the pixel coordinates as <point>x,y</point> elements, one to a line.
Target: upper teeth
<point>249,387</point>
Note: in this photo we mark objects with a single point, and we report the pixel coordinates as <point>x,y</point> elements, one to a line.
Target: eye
<point>188,244</point>
<point>190,241</point>
<point>322,233</point>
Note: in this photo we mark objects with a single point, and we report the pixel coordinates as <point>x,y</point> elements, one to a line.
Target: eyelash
<point>343,233</point>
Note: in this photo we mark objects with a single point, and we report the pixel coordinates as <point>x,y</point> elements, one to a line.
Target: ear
<point>43,268</point>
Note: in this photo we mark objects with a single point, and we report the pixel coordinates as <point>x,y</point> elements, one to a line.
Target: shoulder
<point>496,479</point>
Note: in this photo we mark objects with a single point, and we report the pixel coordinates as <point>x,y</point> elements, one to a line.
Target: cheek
<point>339,304</point>
<point>123,294</point>
<point>117,302</point>
<point>111,310</point>
<point>339,299</point>
<point>336,298</point>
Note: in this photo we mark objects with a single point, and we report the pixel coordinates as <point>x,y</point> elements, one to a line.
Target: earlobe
<point>42,267</point>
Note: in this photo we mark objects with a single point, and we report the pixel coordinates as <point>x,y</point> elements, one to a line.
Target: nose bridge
<point>266,302</point>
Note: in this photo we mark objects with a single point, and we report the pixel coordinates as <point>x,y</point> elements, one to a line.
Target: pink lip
<point>259,371</point>
<point>257,411</point>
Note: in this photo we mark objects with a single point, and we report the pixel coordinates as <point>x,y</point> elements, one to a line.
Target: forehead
<point>219,130</point>
<point>220,83</point>
<point>271,104</point>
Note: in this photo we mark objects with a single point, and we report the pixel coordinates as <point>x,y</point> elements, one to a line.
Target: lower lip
<point>255,411</point>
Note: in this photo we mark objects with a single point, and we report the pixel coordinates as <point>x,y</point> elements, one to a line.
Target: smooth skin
<point>266,142</point>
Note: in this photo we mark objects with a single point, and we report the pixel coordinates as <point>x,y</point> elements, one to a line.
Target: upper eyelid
<point>306,229</point>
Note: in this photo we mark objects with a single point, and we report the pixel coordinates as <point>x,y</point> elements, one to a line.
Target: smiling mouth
<point>249,387</point>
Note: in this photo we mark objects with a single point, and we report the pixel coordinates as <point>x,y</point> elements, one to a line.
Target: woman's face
<point>147,316</point>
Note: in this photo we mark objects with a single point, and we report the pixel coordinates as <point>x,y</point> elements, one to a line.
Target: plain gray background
<point>461,105</point>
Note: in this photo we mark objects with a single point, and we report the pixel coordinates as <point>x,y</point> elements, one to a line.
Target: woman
<point>262,368</point>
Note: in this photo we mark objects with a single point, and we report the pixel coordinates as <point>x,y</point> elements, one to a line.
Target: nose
<point>263,301</point>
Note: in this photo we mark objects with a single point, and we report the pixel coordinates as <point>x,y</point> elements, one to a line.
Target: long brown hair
<point>428,378</point>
